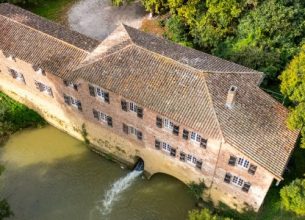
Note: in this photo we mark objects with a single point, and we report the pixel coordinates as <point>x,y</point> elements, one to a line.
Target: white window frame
<point>39,71</point>
<point>74,102</point>
<point>166,147</point>
<point>237,181</point>
<point>241,162</point>
<point>195,137</point>
<point>45,89</point>
<point>191,159</point>
<point>168,124</point>
<point>100,93</point>
<point>133,107</point>
<point>19,75</point>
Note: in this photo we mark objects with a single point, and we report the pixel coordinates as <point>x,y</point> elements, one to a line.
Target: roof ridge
<point>27,26</point>
<point>91,63</point>
<point>190,48</point>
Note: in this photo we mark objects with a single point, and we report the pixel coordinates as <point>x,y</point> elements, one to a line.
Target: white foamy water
<point>113,194</point>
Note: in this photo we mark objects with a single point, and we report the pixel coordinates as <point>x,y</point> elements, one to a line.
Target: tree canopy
<point>293,87</point>
<point>293,196</point>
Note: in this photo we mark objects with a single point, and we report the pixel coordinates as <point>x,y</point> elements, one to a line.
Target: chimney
<point>231,97</point>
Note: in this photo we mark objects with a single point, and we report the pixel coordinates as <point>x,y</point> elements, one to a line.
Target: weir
<point>117,188</point>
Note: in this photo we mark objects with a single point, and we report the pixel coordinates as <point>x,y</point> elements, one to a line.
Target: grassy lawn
<point>53,10</point>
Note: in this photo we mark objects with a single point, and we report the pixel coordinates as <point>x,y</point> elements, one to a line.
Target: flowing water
<point>50,175</point>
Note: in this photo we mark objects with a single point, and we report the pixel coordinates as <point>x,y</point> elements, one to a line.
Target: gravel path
<point>98,18</point>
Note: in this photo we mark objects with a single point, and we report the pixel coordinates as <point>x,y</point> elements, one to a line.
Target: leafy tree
<point>293,196</point>
<point>204,214</point>
<point>177,31</point>
<point>293,87</point>
<point>267,37</point>
<point>155,6</point>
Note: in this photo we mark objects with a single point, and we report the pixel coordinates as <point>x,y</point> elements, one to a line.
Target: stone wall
<point>113,141</point>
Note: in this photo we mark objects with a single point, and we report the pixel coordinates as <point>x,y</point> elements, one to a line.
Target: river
<point>50,175</point>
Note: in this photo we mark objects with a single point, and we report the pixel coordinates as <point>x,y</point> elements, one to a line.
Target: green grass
<point>53,10</point>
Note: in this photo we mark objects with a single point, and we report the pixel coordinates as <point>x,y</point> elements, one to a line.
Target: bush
<point>205,214</point>
<point>196,189</point>
<point>293,196</point>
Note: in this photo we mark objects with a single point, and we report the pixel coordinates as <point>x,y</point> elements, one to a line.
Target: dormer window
<point>12,58</point>
<point>40,72</point>
<point>71,85</point>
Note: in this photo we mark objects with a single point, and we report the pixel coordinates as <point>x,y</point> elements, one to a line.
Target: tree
<point>293,196</point>
<point>268,37</point>
<point>204,214</point>
<point>155,6</point>
<point>22,2</point>
<point>293,87</point>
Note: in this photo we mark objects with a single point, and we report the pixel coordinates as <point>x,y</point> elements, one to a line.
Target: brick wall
<point>113,141</point>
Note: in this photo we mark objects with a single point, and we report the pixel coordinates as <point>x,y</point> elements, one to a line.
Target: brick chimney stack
<point>231,97</point>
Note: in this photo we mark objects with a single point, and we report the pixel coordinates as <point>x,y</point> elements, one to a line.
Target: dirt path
<point>98,18</point>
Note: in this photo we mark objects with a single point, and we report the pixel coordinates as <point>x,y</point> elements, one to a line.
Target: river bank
<point>15,116</point>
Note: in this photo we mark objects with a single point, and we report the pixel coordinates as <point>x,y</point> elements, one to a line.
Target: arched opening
<point>138,163</point>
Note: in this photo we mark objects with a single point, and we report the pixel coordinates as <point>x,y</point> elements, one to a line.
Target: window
<point>16,75</point>
<point>243,163</point>
<point>11,57</point>
<point>127,129</point>
<point>166,147</point>
<point>199,164</point>
<point>237,181</point>
<point>102,117</point>
<point>69,100</point>
<point>203,143</point>
<point>133,107</point>
<point>40,71</point>
<point>99,93</point>
<point>43,88</point>
<point>157,144</point>
<point>195,137</point>
<point>166,123</point>
<point>191,159</point>
<point>71,85</point>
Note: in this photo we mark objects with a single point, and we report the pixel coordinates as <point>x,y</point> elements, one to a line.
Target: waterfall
<point>113,194</point>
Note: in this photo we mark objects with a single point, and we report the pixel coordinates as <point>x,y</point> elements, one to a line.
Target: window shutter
<point>106,97</point>
<point>124,105</point>
<point>125,128</point>
<point>173,152</point>
<point>159,122</point>
<point>252,169</point>
<point>139,135</point>
<point>228,178</point>
<point>232,160</point>
<point>199,164</point>
<point>50,92</point>
<point>66,83</point>
<point>67,100</point>
<point>91,90</point>
<point>182,156</point>
<point>75,86</point>
<point>185,134</point>
<point>79,105</point>
<point>140,112</point>
<point>246,187</point>
<point>203,143</point>
<point>176,130</point>
<point>95,114</point>
<point>37,84</point>
<point>157,144</point>
<point>109,121</point>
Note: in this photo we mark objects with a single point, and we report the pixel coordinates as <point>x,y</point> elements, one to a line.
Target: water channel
<point>50,175</point>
